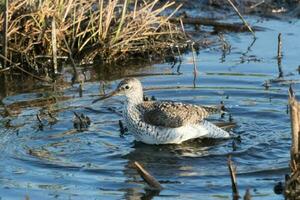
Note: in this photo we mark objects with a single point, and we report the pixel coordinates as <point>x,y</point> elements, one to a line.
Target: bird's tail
<point>213,131</point>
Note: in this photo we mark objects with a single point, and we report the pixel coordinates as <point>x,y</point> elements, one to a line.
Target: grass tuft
<point>107,30</point>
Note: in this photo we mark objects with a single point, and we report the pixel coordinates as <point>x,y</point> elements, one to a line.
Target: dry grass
<point>292,184</point>
<point>86,30</point>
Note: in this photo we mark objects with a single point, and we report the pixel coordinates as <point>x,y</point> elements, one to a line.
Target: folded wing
<point>173,114</point>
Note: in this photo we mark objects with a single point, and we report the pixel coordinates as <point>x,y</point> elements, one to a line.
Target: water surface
<point>54,163</point>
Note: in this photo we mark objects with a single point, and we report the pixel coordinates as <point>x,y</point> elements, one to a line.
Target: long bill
<point>113,93</point>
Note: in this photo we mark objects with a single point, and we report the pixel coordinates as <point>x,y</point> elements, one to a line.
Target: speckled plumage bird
<point>164,122</point>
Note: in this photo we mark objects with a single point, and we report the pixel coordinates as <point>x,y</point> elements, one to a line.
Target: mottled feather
<point>173,114</point>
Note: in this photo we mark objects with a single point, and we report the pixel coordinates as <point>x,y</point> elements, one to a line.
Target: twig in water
<point>279,56</point>
<point>180,60</point>
<point>242,18</point>
<point>220,26</point>
<point>226,47</point>
<point>280,72</point>
<point>195,66</point>
<point>54,46</point>
<point>249,47</point>
<point>39,119</point>
<point>279,48</point>
<point>80,89</point>
<point>232,171</point>
<point>148,178</point>
<point>154,74</point>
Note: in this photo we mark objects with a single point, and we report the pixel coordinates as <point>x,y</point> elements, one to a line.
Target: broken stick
<point>232,171</point>
<point>148,178</point>
<point>242,18</point>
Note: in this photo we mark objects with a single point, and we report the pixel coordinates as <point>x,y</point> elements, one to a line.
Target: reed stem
<point>241,17</point>
<point>54,45</point>
<point>232,171</point>
<point>148,178</point>
<point>4,31</point>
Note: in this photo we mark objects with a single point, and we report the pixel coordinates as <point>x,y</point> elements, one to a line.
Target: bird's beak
<point>113,93</point>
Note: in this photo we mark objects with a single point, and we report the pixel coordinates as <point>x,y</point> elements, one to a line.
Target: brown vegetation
<point>292,185</point>
<point>109,31</point>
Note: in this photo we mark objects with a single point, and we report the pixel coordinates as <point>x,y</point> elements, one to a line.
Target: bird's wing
<point>172,114</point>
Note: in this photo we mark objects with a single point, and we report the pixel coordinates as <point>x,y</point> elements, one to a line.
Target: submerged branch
<point>242,18</point>
<point>148,178</point>
<point>235,27</point>
<point>232,171</point>
<point>292,185</point>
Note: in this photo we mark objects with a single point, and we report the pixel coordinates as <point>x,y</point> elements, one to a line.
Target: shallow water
<point>54,163</point>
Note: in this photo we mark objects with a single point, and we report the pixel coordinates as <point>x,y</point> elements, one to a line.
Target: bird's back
<point>170,122</point>
<point>173,114</point>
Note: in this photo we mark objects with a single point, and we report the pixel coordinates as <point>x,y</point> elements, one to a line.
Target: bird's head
<point>131,88</point>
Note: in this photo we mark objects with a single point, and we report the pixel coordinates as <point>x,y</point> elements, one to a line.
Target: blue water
<point>55,163</point>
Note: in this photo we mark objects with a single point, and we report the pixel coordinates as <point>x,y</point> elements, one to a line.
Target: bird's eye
<point>126,87</point>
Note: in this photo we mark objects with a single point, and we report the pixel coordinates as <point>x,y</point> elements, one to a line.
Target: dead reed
<point>41,33</point>
<point>241,17</point>
<point>147,177</point>
<point>292,184</point>
<point>232,171</point>
<point>4,32</point>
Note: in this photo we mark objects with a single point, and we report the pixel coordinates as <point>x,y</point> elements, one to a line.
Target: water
<point>55,163</point>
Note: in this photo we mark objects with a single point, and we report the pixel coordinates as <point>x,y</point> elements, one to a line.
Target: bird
<point>164,122</point>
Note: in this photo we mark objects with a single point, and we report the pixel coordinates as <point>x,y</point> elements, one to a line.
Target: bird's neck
<point>131,103</point>
<point>131,111</point>
<point>134,100</point>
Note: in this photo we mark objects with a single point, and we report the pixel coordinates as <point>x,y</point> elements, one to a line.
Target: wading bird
<point>164,122</point>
